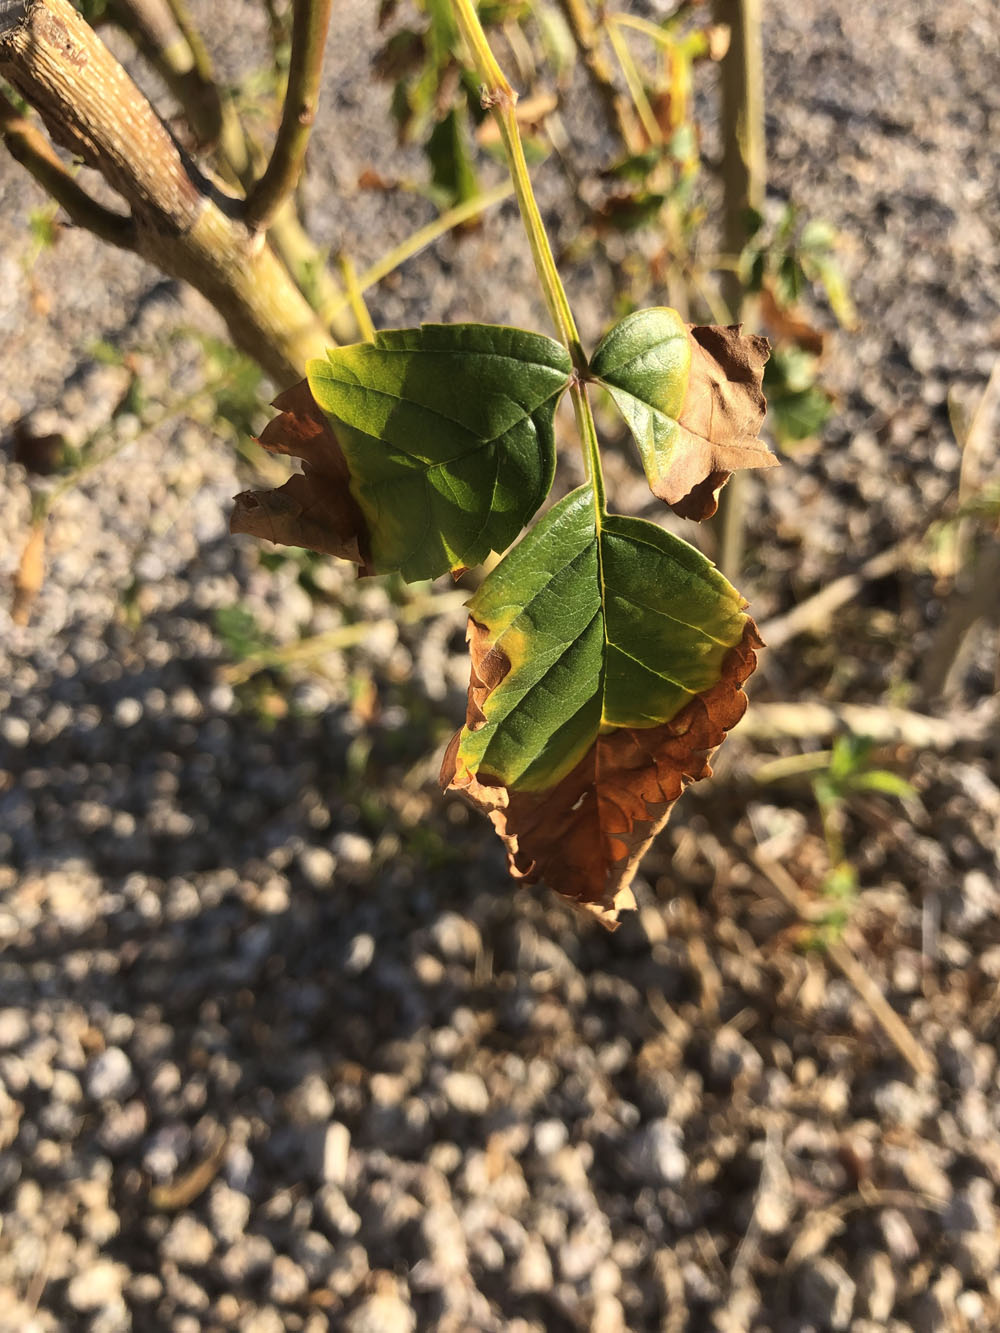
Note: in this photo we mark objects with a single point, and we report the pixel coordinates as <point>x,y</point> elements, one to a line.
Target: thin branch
<point>744,179</point>
<point>634,82</point>
<point>975,601</point>
<point>183,223</point>
<point>362,315</point>
<point>815,612</point>
<point>310,19</point>
<point>587,38</point>
<point>32,149</point>
<point>174,52</point>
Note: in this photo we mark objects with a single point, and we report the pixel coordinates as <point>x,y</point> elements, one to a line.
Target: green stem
<point>418,241</point>
<point>501,98</point>
<point>310,19</point>
<point>632,78</point>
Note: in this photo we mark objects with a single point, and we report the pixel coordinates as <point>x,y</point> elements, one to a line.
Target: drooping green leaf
<point>691,397</point>
<point>607,656</point>
<point>448,435</point>
<point>453,176</point>
<point>799,408</point>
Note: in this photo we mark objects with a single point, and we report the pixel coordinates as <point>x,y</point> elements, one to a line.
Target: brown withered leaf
<point>586,836</point>
<point>787,325</point>
<point>693,399</point>
<point>314,508</point>
<point>723,411</point>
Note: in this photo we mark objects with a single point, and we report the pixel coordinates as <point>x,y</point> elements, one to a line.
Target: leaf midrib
<point>433,411</point>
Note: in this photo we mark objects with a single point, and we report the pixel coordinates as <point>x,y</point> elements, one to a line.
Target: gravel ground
<point>280,1048</point>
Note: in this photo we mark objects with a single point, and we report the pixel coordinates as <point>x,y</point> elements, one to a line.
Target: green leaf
<point>825,270</point>
<point>799,415</point>
<point>883,781</point>
<point>789,281</point>
<point>453,176</point>
<point>692,399</point>
<point>620,627</point>
<point>629,212</point>
<point>607,661</point>
<point>558,41</point>
<point>818,234</point>
<point>448,435</point>
<point>849,756</point>
<point>797,407</point>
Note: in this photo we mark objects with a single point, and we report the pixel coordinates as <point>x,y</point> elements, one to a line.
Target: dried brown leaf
<point>723,411</point>
<point>314,508</point>
<point>585,836</point>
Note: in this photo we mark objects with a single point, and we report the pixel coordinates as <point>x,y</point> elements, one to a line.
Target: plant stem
<point>310,20</point>
<point>180,221</point>
<point>744,175</point>
<point>30,147</point>
<point>352,291</point>
<point>419,240</point>
<point>587,38</point>
<point>153,26</point>
<point>501,98</point>
<point>632,78</point>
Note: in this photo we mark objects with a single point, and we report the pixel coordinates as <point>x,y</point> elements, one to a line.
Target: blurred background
<point>281,1045</point>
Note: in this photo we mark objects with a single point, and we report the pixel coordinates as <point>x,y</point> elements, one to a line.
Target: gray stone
<point>289,1284</point>
<point>466,1092</point>
<point>188,1243</point>
<point>334,1213</point>
<point>549,1136</point>
<point>317,865</point>
<point>15,1028</point>
<point>265,1319</point>
<point>456,938</point>
<point>352,851</point>
<point>656,1154</point>
<point>122,1127</point>
<point>826,1293</point>
<point>99,1284</point>
<point>229,1212</point>
<point>246,1258</point>
<point>385,1312</point>
<point>336,1153</point>
<point>876,1294</point>
<point>109,1075</point>
<point>532,1272</point>
<point>314,1254</point>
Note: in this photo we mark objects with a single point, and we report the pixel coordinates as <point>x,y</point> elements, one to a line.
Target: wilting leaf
<point>314,508</point>
<point>607,660</point>
<point>448,435</point>
<point>692,398</point>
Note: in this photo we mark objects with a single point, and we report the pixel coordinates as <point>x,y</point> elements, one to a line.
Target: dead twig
<point>920,1060</point>
<point>883,724</point>
<point>976,601</point>
<point>815,611</point>
<point>183,1191</point>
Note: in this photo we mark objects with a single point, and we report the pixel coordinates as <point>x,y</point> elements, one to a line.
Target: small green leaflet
<point>448,433</point>
<point>620,625</point>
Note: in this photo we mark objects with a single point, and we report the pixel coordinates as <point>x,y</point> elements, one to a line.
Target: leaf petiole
<point>501,98</point>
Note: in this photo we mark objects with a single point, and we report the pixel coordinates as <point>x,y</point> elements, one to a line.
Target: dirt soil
<point>281,1046</point>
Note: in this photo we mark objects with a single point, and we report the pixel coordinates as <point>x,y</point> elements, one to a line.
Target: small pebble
<point>109,1075</point>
